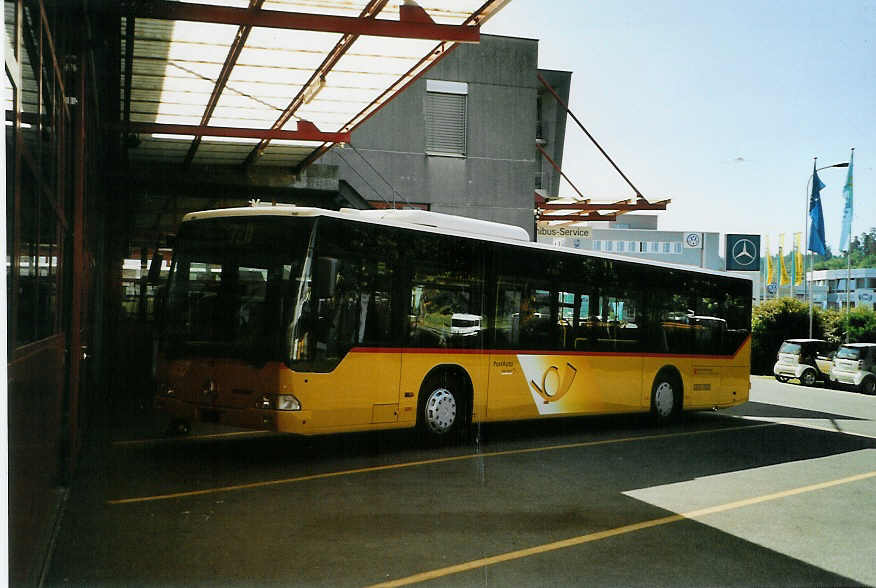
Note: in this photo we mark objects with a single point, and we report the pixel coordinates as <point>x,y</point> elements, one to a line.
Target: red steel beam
<point>371,10</point>
<point>589,136</point>
<point>323,23</point>
<point>478,17</point>
<point>591,206</point>
<point>230,61</point>
<point>577,217</point>
<point>557,167</point>
<point>307,131</point>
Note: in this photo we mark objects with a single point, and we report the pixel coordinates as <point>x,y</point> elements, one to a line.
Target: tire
<point>782,379</point>
<point>666,397</point>
<point>179,428</point>
<point>808,378</point>
<point>442,407</point>
<point>868,386</point>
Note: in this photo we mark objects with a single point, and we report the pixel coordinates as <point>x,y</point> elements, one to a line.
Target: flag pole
<point>849,247</point>
<point>848,296</point>
<point>807,259</point>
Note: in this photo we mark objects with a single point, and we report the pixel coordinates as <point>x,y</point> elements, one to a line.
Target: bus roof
<point>438,223</point>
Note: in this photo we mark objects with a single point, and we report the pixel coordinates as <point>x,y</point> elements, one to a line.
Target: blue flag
<point>847,209</point>
<point>816,217</point>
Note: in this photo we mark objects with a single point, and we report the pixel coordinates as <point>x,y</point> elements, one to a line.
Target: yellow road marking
<point>426,462</point>
<point>589,538</point>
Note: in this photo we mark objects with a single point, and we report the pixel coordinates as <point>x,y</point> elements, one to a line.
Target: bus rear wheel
<point>441,411</point>
<point>665,397</point>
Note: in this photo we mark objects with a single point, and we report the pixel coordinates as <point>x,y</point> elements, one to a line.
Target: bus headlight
<point>287,402</point>
<point>168,391</point>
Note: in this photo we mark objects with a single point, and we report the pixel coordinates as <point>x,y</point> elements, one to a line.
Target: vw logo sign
<point>693,240</point>
<point>771,288</point>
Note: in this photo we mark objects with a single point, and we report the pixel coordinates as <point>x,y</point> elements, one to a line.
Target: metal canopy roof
<point>273,82</point>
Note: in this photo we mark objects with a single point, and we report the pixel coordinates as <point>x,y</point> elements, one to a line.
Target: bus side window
<point>532,310</point>
<point>446,290</point>
<point>507,325</point>
<point>354,282</point>
<point>670,304</point>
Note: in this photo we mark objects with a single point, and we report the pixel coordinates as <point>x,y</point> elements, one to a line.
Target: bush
<point>860,324</point>
<point>834,323</point>
<point>774,321</point>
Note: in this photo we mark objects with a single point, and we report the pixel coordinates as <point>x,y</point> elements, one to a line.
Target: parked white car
<point>808,360</point>
<point>854,365</point>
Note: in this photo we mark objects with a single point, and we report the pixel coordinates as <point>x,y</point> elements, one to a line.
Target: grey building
<point>830,289</point>
<point>463,139</point>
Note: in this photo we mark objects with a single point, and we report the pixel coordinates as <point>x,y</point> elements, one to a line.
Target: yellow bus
<point>312,321</point>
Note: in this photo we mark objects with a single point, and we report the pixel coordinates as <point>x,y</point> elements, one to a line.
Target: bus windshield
<point>233,285</point>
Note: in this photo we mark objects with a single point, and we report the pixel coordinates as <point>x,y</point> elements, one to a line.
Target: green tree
<point>834,325</point>
<point>862,250</point>
<point>774,321</point>
<point>860,324</point>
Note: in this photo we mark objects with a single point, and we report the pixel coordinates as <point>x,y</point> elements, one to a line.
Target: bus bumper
<point>295,422</point>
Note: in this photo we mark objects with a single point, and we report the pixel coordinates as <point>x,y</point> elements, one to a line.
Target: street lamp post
<point>807,289</point>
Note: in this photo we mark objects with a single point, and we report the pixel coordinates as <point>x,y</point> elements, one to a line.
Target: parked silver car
<point>854,365</point>
<point>807,360</point>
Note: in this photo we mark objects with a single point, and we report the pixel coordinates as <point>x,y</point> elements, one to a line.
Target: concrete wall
<point>495,179</point>
<point>553,126</point>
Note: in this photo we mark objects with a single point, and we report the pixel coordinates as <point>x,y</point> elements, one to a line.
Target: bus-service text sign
<point>550,232</point>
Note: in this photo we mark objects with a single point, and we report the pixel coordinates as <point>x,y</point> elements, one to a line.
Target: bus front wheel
<point>441,407</point>
<point>666,397</point>
<point>178,428</point>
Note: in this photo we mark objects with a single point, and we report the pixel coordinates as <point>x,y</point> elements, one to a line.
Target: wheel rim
<point>440,412</point>
<point>664,399</point>
<point>808,379</point>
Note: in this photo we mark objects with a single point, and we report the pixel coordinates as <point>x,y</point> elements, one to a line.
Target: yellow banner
<point>799,272</point>
<point>771,269</point>
<point>785,279</point>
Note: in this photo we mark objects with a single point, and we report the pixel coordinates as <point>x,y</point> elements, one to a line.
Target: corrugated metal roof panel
<point>177,65</point>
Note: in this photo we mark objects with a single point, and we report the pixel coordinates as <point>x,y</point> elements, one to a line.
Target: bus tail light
<point>287,402</point>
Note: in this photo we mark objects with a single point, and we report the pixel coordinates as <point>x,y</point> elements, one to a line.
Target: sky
<point>719,105</point>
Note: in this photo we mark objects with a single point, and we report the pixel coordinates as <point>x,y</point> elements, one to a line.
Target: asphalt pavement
<point>780,491</point>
